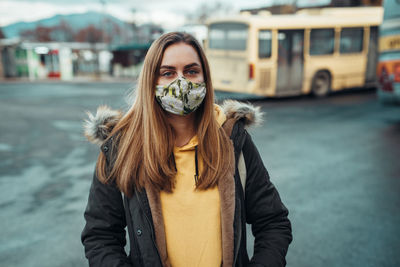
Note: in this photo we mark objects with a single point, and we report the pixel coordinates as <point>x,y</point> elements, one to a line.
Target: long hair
<point>144,152</point>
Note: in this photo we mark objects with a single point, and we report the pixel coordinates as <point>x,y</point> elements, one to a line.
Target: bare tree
<point>90,34</point>
<point>39,34</point>
<point>62,33</point>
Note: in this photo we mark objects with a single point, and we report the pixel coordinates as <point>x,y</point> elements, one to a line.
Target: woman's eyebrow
<point>191,65</point>
<point>167,67</point>
<point>174,68</point>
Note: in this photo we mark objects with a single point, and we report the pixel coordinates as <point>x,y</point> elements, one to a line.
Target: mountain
<point>75,21</point>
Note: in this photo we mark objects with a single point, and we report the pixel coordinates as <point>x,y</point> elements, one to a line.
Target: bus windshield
<point>389,30</point>
<point>228,36</point>
<point>392,10</point>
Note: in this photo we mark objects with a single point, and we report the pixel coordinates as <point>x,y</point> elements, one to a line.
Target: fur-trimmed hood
<point>98,126</point>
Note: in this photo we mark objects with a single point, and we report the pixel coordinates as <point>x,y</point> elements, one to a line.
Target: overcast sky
<point>165,11</point>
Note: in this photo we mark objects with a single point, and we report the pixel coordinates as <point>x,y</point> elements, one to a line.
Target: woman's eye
<point>166,74</point>
<point>193,72</point>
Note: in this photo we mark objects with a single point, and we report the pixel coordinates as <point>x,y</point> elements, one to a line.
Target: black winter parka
<point>108,213</point>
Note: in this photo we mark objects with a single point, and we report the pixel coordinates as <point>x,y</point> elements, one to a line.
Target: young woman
<point>181,173</point>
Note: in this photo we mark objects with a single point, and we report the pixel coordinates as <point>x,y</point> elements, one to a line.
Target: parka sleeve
<point>265,212</point>
<point>104,233</point>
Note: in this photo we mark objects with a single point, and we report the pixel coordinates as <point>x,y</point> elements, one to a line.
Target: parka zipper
<point>240,232</point>
<point>151,227</point>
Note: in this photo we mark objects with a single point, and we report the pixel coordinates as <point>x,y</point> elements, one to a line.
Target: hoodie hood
<point>219,114</point>
<point>98,126</point>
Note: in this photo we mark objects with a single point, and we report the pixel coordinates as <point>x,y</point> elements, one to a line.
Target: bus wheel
<point>321,84</point>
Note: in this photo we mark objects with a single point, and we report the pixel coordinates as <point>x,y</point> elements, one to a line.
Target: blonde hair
<point>145,139</point>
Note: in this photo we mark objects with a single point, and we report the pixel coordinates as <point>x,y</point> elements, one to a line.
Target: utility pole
<point>134,26</point>
<point>102,30</point>
<point>294,5</point>
<point>103,20</point>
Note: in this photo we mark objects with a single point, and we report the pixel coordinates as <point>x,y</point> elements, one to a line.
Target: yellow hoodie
<point>192,219</point>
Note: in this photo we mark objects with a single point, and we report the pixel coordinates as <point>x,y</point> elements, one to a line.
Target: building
<point>55,60</point>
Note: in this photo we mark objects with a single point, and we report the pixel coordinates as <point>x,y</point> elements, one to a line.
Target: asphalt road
<point>334,161</point>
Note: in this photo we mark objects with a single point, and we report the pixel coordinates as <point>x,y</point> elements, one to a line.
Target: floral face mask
<point>181,96</point>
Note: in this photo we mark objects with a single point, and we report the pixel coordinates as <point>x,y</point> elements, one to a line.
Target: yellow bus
<point>389,53</point>
<point>313,51</point>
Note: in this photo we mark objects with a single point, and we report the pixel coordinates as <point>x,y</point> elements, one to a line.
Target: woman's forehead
<point>180,54</point>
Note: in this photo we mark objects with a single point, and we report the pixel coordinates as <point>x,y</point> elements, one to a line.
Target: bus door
<point>372,60</point>
<point>290,62</point>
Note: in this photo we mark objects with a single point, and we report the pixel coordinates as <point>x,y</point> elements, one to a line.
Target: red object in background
<point>54,75</point>
<point>54,65</point>
<point>396,72</point>
<point>251,71</point>
<point>385,81</point>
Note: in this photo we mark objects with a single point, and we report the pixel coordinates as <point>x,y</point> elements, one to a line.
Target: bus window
<point>228,36</point>
<point>217,37</point>
<point>322,41</point>
<point>264,44</point>
<point>351,40</point>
